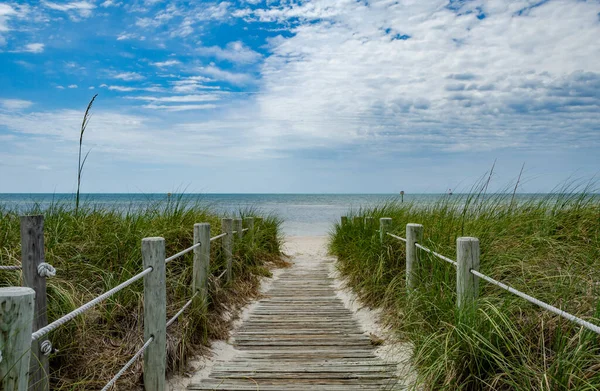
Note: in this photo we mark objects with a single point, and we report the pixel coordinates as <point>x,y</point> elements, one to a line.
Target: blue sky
<point>298,96</point>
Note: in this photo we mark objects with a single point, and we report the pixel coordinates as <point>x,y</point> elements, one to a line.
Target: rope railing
<point>218,236</point>
<point>155,324</point>
<point>128,364</point>
<point>10,267</point>
<point>396,237</point>
<point>182,310</point>
<point>183,252</point>
<point>467,262</point>
<point>440,256</point>
<point>533,300</point>
<point>78,311</point>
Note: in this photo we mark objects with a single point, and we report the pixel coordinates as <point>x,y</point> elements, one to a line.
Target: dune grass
<point>548,247</point>
<point>97,248</point>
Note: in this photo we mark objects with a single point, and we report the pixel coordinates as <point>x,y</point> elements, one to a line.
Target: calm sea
<point>303,214</point>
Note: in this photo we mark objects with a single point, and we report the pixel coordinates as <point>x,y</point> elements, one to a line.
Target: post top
<point>467,239</point>
<point>414,225</point>
<point>153,239</point>
<point>201,224</point>
<point>13,291</point>
<point>386,218</point>
<point>226,218</point>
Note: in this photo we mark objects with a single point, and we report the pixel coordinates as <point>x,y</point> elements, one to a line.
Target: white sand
<point>307,252</point>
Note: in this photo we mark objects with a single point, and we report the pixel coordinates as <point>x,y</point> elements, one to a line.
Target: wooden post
<point>201,262</point>
<point>344,220</point>
<point>384,225</point>
<point>357,221</point>
<point>250,226</point>
<point>467,258</point>
<point>16,320</point>
<point>32,254</point>
<point>155,314</point>
<point>368,223</point>
<point>238,226</point>
<point>227,241</point>
<point>414,234</point>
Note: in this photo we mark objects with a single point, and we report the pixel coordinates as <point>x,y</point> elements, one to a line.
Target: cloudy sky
<point>298,96</point>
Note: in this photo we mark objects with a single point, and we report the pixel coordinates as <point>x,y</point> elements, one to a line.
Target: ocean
<point>303,214</point>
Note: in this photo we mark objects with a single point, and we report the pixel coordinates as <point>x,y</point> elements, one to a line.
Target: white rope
<point>46,270</point>
<point>440,256</point>
<point>218,236</point>
<point>129,363</point>
<point>10,267</point>
<point>221,275</point>
<point>59,322</point>
<point>234,232</point>
<point>185,306</point>
<point>245,229</point>
<point>187,250</point>
<point>557,311</point>
<point>396,237</point>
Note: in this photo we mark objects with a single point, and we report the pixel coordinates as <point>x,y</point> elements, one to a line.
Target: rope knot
<point>46,348</point>
<point>46,270</point>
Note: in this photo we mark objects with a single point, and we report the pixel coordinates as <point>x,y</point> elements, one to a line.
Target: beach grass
<point>546,246</point>
<point>97,248</point>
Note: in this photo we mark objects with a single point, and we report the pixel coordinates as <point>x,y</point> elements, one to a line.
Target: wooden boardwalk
<point>301,337</point>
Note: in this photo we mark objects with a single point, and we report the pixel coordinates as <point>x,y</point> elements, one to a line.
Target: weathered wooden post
<point>32,255</point>
<point>250,226</point>
<point>414,234</point>
<point>467,258</point>
<point>238,227</point>
<point>357,221</point>
<point>227,241</point>
<point>384,224</point>
<point>16,320</point>
<point>368,223</point>
<point>344,220</point>
<point>201,262</point>
<point>155,314</point>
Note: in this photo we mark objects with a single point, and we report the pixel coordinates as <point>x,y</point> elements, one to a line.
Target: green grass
<point>96,249</point>
<point>547,247</point>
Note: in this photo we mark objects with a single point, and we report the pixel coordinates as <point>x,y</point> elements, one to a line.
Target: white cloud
<point>91,87</point>
<point>110,3</point>
<point>191,84</point>
<point>167,63</point>
<point>399,75</point>
<point>180,98</point>
<point>127,76</point>
<point>72,86</point>
<point>6,12</point>
<point>33,48</point>
<point>75,9</point>
<point>121,88</point>
<point>60,87</point>
<point>227,76</point>
<point>179,107</point>
<point>15,104</point>
<point>234,52</point>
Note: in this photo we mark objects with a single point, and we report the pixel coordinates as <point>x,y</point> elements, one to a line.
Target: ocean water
<point>303,214</point>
